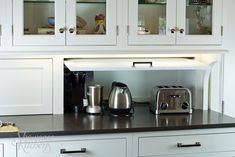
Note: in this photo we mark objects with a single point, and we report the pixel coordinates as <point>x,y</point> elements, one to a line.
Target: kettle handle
<point>119,84</point>
<point>114,83</point>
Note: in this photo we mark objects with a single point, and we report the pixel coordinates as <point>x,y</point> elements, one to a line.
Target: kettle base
<point>120,112</point>
<point>93,110</point>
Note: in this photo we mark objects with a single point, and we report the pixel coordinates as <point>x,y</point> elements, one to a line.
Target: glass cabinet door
<point>91,22</point>
<point>152,22</point>
<point>199,22</point>
<point>39,22</point>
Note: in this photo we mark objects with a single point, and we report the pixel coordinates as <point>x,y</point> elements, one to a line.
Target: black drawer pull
<point>196,144</point>
<point>64,151</point>
<point>150,63</point>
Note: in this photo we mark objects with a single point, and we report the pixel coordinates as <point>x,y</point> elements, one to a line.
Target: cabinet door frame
<point>18,26</point>
<point>110,38</point>
<point>135,39</point>
<point>214,39</point>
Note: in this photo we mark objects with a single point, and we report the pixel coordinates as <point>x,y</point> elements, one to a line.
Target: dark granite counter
<point>142,120</point>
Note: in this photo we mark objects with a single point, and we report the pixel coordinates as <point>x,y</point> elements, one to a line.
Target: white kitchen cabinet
<point>95,22</point>
<point>86,148</point>
<point>26,86</point>
<point>42,22</point>
<point>170,22</point>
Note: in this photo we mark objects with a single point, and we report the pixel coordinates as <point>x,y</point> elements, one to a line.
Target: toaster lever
<point>175,96</point>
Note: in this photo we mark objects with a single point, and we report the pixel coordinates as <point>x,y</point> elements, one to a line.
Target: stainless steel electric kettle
<point>120,100</point>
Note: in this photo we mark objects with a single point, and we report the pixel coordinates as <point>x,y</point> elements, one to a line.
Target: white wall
<point>229,67</point>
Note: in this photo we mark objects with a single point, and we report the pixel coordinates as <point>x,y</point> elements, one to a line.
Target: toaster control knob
<point>185,106</point>
<point>164,106</point>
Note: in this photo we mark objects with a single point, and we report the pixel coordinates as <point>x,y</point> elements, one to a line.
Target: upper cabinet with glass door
<point>42,22</point>
<point>91,22</point>
<point>170,22</point>
<point>39,22</point>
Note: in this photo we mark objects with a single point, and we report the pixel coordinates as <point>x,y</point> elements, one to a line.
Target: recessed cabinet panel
<point>39,22</point>
<point>26,86</point>
<point>91,22</point>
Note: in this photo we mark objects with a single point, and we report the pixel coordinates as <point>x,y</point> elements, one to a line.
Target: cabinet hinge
<point>128,29</point>
<point>12,29</point>
<point>222,30</point>
<point>0,30</point>
<point>117,30</point>
<point>222,106</point>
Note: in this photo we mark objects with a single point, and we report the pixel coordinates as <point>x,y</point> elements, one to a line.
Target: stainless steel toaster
<point>171,99</point>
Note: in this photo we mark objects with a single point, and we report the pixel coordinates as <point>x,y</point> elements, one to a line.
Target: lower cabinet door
<point>26,86</point>
<point>86,148</point>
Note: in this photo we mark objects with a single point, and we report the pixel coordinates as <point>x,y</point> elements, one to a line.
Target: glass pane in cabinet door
<point>91,17</point>
<point>39,17</point>
<point>199,17</point>
<point>152,17</point>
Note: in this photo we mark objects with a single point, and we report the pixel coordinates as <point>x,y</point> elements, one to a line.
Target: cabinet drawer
<point>151,146</point>
<point>93,148</point>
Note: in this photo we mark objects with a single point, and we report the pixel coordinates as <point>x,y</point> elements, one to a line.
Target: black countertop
<point>142,120</point>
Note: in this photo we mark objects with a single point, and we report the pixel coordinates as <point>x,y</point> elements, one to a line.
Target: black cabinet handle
<point>150,63</point>
<point>64,151</point>
<point>196,144</point>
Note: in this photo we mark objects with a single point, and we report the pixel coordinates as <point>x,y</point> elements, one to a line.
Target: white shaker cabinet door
<point>26,86</point>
